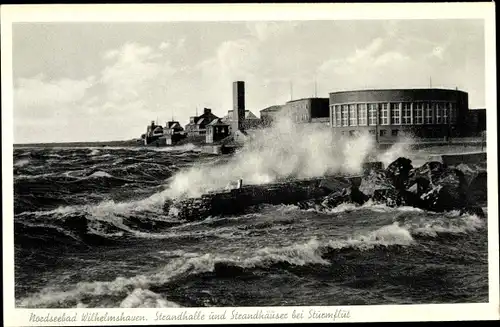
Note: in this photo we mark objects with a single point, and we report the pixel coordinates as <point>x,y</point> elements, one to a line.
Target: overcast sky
<point>99,82</point>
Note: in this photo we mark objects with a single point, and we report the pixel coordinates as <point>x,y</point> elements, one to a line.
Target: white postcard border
<point>142,13</point>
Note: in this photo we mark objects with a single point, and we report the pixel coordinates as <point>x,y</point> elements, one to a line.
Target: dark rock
<point>394,198</point>
<point>335,184</point>
<point>336,198</point>
<point>355,181</point>
<point>389,196</point>
<point>478,188</point>
<point>470,171</point>
<point>372,166</point>
<point>398,172</point>
<point>414,189</point>
<point>375,180</point>
<point>346,195</point>
<point>426,174</point>
<point>447,191</point>
<point>356,196</point>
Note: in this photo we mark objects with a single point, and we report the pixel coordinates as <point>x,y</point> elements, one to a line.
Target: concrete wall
<point>456,159</point>
<point>237,200</point>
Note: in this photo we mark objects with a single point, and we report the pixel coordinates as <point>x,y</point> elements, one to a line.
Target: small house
<point>216,130</point>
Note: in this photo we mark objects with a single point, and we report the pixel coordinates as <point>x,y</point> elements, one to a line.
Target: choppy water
<point>90,232</point>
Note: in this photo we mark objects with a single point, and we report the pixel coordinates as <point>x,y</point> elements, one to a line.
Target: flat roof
<point>311,98</point>
<point>272,108</point>
<point>399,89</point>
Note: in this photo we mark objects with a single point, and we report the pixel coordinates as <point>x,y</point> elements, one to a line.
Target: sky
<point>107,81</point>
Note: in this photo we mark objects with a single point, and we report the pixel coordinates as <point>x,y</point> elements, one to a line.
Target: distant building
<point>172,133</point>
<point>197,124</point>
<point>216,131</point>
<point>153,133</point>
<point>306,110</point>
<point>388,114</point>
<point>173,127</point>
<point>251,121</point>
<point>269,114</point>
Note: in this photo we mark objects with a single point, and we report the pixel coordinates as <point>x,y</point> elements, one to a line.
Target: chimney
<point>238,105</point>
<point>207,110</point>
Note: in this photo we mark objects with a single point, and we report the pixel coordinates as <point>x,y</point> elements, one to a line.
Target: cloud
<point>180,43</point>
<point>263,30</point>
<point>133,68</point>
<point>438,52</point>
<point>127,88</point>
<point>39,97</point>
<point>164,45</point>
<point>391,58</point>
<point>367,53</point>
<point>383,63</point>
<point>132,83</point>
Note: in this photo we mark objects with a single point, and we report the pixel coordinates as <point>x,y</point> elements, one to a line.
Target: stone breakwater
<point>433,186</point>
<point>239,200</point>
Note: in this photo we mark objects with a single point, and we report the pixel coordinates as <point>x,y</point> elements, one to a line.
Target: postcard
<point>249,163</point>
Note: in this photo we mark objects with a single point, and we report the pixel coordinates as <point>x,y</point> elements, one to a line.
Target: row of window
<point>383,132</point>
<point>395,113</point>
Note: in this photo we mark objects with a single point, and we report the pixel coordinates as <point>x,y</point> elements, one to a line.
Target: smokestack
<point>238,105</point>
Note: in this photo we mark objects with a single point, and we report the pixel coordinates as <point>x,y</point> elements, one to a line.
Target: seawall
<point>238,200</point>
<point>456,159</point>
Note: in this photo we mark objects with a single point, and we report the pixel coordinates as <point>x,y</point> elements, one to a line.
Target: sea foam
<point>135,290</point>
<point>284,150</point>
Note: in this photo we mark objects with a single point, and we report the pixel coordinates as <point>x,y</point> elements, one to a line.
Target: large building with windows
<point>306,110</point>
<point>389,114</point>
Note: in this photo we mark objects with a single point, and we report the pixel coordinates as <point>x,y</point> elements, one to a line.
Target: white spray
<point>284,150</point>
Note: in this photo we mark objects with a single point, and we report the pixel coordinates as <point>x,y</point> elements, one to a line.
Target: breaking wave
<point>282,151</point>
<point>140,298</point>
<point>21,162</point>
<point>135,293</point>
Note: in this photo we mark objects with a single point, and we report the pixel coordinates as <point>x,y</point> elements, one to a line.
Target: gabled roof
<point>217,122</point>
<point>172,124</point>
<point>248,115</point>
<point>200,120</point>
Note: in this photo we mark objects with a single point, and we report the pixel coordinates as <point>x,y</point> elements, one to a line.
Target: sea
<point>91,232</point>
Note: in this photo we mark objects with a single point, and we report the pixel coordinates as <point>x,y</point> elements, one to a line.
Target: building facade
<point>216,131</point>
<point>197,124</point>
<point>269,114</point>
<point>307,110</point>
<point>251,121</point>
<point>389,114</point>
<point>153,133</point>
